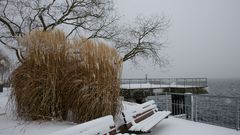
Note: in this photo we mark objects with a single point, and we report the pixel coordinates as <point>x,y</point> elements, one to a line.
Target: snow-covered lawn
<point>170,126</point>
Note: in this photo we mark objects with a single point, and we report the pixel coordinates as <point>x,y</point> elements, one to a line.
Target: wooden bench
<point>143,117</point>
<point>101,126</point>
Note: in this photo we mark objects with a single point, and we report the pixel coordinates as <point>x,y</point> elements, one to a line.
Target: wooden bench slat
<point>156,120</point>
<point>144,116</point>
<point>150,122</point>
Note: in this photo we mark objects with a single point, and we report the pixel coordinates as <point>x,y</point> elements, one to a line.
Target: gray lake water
<point>224,87</point>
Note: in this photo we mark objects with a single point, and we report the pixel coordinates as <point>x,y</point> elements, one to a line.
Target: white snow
<point>11,126</point>
<point>177,126</point>
<point>170,126</point>
<point>97,126</point>
<point>129,105</point>
<point>3,100</point>
<point>148,123</point>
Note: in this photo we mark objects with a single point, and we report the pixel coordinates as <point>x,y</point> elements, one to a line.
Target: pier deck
<point>164,83</point>
<point>136,90</point>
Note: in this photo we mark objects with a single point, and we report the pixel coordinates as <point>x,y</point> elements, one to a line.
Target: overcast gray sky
<point>203,39</point>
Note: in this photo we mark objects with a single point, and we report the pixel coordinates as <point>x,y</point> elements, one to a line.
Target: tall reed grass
<point>62,79</point>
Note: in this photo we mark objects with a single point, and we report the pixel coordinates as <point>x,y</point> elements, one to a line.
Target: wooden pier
<point>138,89</point>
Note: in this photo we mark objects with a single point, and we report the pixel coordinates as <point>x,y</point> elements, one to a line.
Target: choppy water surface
<point>224,87</point>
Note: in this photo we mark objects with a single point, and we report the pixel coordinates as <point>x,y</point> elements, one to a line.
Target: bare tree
<point>144,39</point>
<point>89,18</point>
<point>18,17</point>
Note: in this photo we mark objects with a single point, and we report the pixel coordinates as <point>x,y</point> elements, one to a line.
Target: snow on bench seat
<point>100,126</point>
<point>143,117</point>
<point>150,122</point>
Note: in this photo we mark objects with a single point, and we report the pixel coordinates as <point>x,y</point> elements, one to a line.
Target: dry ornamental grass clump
<point>62,79</point>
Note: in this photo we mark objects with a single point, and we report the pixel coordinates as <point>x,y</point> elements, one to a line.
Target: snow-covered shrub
<point>62,79</point>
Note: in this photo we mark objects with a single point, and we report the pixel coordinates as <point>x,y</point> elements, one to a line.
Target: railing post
<point>195,97</point>
<point>166,96</point>
<point>188,97</point>
<point>192,105</point>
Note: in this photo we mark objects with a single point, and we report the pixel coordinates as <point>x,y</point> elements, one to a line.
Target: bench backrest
<point>100,126</point>
<point>136,114</point>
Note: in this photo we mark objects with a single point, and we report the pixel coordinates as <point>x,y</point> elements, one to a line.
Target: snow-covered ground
<point>9,125</point>
<point>3,100</point>
<point>177,126</point>
<point>170,126</point>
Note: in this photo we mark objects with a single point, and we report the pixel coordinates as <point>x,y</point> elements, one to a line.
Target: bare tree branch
<point>85,18</point>
<point>19,56</point>
<point>8,26</point>
<point>143,40</point>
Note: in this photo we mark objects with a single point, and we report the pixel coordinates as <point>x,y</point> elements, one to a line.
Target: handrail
<point>183,82</point>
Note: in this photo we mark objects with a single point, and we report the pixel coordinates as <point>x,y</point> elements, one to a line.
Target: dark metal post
<point>1,86</point>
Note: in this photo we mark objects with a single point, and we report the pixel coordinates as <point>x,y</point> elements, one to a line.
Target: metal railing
<point>216,110</point>
<point>164,82</point>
